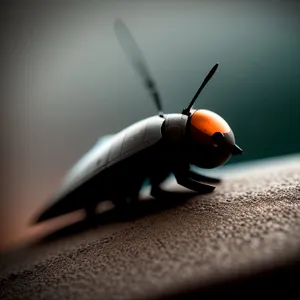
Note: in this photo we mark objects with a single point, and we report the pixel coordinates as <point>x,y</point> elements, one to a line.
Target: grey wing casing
<point>124,144</point>
<point>119,147</point>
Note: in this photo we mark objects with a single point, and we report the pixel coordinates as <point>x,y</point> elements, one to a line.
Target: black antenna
<point>137,59</point>
<point>186,111</point>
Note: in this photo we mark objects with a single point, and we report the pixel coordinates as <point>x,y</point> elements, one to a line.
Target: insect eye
<point>217,139</point>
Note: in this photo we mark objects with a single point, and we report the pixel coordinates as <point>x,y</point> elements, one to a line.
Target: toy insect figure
<point>152,149</point>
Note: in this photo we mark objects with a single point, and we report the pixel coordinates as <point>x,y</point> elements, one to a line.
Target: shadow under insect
<point>138,209</point>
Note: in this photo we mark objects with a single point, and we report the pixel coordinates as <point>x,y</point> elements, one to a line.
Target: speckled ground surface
<point>249,224</point>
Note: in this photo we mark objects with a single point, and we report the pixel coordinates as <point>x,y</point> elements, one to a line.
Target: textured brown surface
<point>250,223</point>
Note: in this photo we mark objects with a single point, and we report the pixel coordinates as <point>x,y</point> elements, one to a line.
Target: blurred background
<point>65,82</point>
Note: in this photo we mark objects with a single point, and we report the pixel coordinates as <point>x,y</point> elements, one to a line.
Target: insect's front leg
<point>188,179</point>
<point>156,191</point>
<point>200,177</point>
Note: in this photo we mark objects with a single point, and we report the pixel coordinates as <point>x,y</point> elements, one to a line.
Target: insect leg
<point>156,191</point>
<point>134,191</point>
<point>200,177</point>
<point>192,184</point>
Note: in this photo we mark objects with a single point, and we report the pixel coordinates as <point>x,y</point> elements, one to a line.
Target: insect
<point>151,149</point>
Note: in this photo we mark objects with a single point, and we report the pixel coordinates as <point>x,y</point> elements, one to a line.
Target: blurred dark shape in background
<point>65,82</point>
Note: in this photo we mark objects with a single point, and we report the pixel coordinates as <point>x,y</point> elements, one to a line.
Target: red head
<point>211,142</point>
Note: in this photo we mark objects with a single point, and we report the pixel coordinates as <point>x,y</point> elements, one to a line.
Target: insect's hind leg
<point>130,194</point>
<point>122,202</point>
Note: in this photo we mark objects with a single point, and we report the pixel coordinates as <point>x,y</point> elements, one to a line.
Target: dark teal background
<point>65,81</point>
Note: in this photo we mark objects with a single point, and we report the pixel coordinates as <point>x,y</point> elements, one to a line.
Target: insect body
<point>149,149</point>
